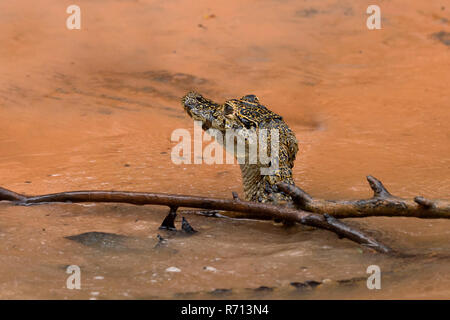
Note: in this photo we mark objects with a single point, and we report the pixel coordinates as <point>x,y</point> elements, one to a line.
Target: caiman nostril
<point>189,104</point>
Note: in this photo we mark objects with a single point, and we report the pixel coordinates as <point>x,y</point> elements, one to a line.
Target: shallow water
<point>95,108</point>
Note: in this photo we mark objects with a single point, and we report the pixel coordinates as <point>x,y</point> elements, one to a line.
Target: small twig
<point>426,203</point>
<point>169,220</point>
<point>379,191</point>
<point>251,209</point>
<point>186,227</point>
<point>381,204</point>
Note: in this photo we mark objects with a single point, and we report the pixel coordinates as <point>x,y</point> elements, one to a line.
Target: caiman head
<point>241,116</point>
<point>246,112</point>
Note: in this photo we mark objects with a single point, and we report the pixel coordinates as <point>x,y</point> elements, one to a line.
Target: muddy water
<point>95,108</point>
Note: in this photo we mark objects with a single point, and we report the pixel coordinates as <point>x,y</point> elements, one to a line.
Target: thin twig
<point>381,204</point>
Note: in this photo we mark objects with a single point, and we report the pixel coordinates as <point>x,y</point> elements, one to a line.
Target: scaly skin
<point>247,116</point>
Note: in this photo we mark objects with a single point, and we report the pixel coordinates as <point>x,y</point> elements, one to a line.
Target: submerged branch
<point>381,204</point>
<point>251,209</point>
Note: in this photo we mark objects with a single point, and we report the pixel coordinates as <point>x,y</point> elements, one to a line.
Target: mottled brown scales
<point>242,116</point>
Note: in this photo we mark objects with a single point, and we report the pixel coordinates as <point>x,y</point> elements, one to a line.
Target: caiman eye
<point>248,124</point>
<point>228,109</point>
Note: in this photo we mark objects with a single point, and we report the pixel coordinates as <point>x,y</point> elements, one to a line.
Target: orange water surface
<point>95,108</point>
